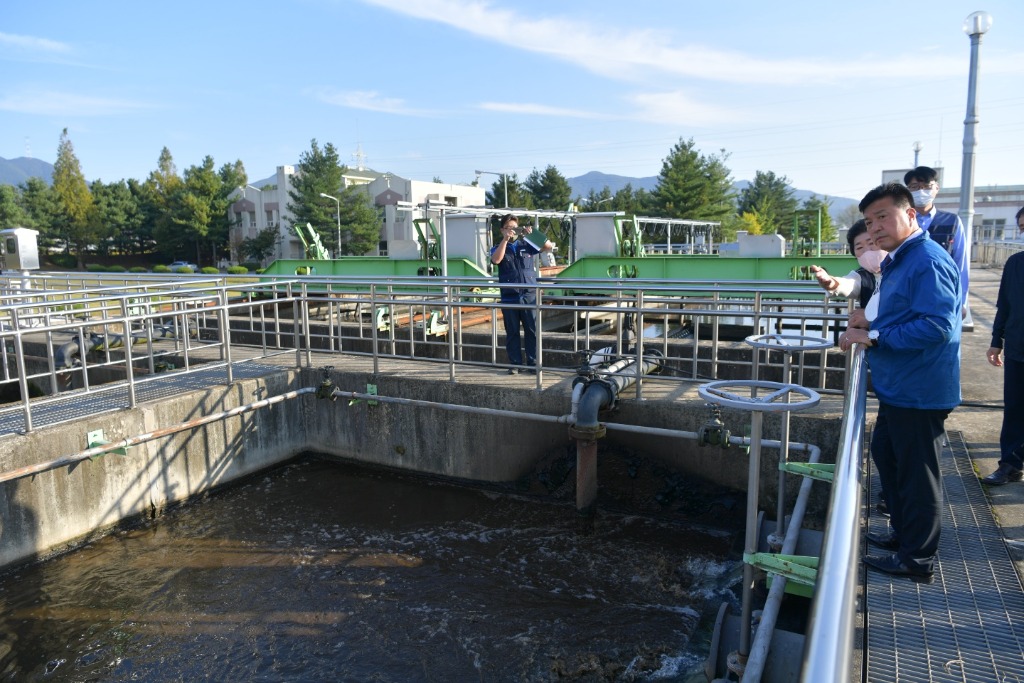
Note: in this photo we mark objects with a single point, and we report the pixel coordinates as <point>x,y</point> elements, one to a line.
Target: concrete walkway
<point>964,627</point>
<point>980,417</point>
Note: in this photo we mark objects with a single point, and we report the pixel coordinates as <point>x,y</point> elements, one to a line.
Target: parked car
<point>183,264</point>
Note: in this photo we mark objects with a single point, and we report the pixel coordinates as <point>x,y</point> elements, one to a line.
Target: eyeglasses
<point>914,187</point>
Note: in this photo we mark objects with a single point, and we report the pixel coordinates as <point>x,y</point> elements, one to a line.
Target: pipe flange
<point>587,433</point>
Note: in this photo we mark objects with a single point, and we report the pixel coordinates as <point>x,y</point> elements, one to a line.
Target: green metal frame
<point>706,267</point>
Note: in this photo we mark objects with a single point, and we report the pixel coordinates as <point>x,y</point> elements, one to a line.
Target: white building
<point>257,209</point>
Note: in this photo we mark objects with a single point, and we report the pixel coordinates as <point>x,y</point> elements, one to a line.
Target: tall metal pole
<point>337,202</point>
<point>975,25</point>
<point>504,178</point>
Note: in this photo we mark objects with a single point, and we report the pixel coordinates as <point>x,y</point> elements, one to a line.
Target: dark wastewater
<point>324,571</point>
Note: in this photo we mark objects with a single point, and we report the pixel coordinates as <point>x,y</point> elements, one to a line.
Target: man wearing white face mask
<point>942,226</point>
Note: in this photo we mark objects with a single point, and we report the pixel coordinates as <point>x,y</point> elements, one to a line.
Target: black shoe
<point>890,564</point>
<point>1003,474</point>
<point>511,371</point>
<point>887,541</point>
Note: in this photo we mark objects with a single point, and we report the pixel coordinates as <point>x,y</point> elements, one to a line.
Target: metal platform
<point>967,626</point>
<point>73,405</point>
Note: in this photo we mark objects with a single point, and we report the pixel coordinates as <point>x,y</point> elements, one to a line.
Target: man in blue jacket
<point>914,354</point>
<point>942,226</point>
<point>514,258</point>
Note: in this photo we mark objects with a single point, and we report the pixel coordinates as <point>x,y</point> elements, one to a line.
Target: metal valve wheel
<point>790,343</point>
<point>774,401</point>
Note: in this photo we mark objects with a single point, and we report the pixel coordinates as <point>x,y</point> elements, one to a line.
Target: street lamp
<point>337,249</point>
<point>503,176</point>
<point>975,26</point>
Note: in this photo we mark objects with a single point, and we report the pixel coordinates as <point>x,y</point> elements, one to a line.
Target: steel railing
<point>133,327</point>
<point>830,638</point>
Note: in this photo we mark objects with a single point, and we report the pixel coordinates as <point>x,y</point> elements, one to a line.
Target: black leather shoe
<point>887,541</point>
<point>1003,474</point>
<point>890,564</point>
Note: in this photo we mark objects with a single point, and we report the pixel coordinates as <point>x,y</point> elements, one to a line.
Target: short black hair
<point>1019,214</point>
<point>899,194</point>
<point>508,217</point>
<point>922,174</point>
<point>855,231</point>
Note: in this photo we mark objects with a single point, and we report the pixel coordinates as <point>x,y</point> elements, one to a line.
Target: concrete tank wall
<point>49,510</point>
<point>54,509</point>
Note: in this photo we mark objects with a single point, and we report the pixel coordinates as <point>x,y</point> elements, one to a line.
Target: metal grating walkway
<point>968,626</point>
<point>73,405</point>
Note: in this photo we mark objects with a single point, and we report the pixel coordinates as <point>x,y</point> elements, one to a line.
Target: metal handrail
<point>280,315</point>
<point>829,644</point>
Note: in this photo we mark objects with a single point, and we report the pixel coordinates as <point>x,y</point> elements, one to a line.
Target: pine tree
<point>694,186</point>
<point>74,201</point>
<point>770,198</point>
<point>318,172</point>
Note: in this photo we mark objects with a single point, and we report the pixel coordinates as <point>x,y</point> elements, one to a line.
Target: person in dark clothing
<point>514,258</point>
<point>1008,342</point>
<point>914,354</point>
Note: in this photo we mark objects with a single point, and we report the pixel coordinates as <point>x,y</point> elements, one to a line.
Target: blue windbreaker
<point>916,363</point>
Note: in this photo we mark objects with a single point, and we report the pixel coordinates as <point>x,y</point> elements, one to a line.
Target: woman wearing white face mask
<point>862,282</point>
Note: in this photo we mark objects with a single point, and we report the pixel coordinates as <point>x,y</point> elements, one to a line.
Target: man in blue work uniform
<point>914,354</point>
<point>514,258</point>
<point>942,226</point>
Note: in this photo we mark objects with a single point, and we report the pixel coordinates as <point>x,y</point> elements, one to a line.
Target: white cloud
<point>640,54</point>
<point>33,43</point>
<point>676,108</point>
<point>53,103</point>
<point>539,110</point>
<point>370,100</point>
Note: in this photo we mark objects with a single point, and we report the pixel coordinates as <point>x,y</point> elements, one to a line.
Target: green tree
<point>693,185</point>
<point>74,201</point>
<point>12,215</point>
<point>518,196</point>
<point>116,218</point>
<point>261,246</point>
<point>360,222</point>
<point>157,202</point>
<point>749,222</point>
<point>807,224</point>
<point>770,198</point>
<point>636,202</point>
<point>40,203</point>
<point>193,209</point>
<point>138,235</point>
<point>596,201</point>
<point>318,172</point>
<point>549,190</point>
<point>232,176</point>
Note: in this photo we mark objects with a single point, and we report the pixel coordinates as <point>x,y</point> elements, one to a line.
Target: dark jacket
<point>1008,327</point>
<point>518,267</point>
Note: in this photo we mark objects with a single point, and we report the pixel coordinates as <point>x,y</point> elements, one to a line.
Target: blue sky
<point>827,94</point>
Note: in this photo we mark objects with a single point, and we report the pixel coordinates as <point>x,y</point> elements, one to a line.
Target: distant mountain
<point>17,171</point>
<point>597,181</point>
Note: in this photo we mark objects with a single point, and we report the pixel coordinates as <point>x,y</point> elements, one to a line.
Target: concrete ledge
<point>51,510</point>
